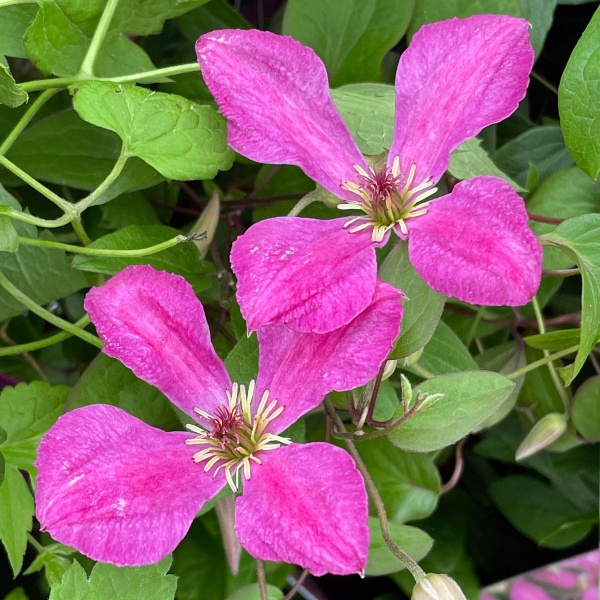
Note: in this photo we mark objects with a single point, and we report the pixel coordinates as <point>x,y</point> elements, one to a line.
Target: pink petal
<point>306,505</point>
<point>275,95</point>
<point>525,590</point>
<point>310,274</point>
<point>299,369</point>
<point>117,489</point>
<point>475,244</point>
<point>455,78</point>
<point>153,323</point>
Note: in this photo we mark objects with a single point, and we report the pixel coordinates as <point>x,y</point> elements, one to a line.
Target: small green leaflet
<point>10,93</point>
<point>107,582</point>
<point>179,138</point>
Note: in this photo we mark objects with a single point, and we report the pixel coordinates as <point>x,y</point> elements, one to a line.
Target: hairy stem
<point>262,579</point>
<point>542,361</point>
<point>406,560</point>
<point>303,203</point>
<point>87,66</point>
<point>35,308</point>
<point>31,111</point>
<point>43,343</point>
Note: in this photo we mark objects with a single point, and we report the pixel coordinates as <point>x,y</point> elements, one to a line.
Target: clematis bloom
<point>455,78</point>
<point>124,492</point>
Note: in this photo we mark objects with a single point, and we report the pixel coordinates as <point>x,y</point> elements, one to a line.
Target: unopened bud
<point>207,222</point>
<point>427,400</point>
<point>407,395</point>
<point>437,587</point>
<point>547,430</point>
<point>388,370</point>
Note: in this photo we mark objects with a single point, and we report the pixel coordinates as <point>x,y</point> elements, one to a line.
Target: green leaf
<point>27,411</point>
<point>538,511</point>
<point>10,93</point>
<point>242,361</point>
<point>566,194</point>
<point>554,340</point>
<point>44,275</point>
<point>409,484</point>
<point>54,567</point>
<point>14,22</point>
<point>411,540</point>
<point>350,37</point>
<point>252,592</point>
<point>503,359</point>
<point>180,139</point>
<point>107,582</point>
<point>9,238</point>
<point>578,237</point>
<point>17,594</point>
<point>65,150</point>
<point>368,110</point>
<point>469,399</point>
<point>145,17</point>
<point>543,147</point>
<point>107,381</point>
<point>579,100</point>
<point>540,14</point>
<point>182,259</point>
<point>470,160</point>
<point>586,409</point>
<point>57,43</point>
<point>16,512</point>
<point>429,11</point>
<point>422,306</point>
<point>445,353</point>
<point>217,14</point>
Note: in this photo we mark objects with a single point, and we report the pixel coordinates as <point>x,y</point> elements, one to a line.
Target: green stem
<point>80,230</point>
<point>36,185</point>
<point>63,82</point>
<point>407,561</point>
<point>104,252</point>
<point>303,203</point>
<point>474,325</point>
<point>43,343</point>
<point>560,388</point>
<point>542,361</point>
<point>87,66</point>
<point>35,308</point>
<point>27,218</point>
<point>560,272</point>
<point>110,178</point>
<point>25,120</point>
<point>33,541</point>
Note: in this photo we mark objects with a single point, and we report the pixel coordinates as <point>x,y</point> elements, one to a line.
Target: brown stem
<point>297,585</point>
<point>262,579</point>
<point>544,219</point>
<point>406,560</point>
<point>33,363</point>
<point>458,468</point>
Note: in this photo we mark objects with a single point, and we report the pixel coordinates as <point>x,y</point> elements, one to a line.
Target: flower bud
<point>388,371</point>
<point>547,430</point>
<point>411,359</point>
<point>207,222</point>
<point>437,587</point>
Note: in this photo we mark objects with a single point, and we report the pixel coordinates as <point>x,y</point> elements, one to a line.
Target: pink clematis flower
<point>121,491</point>
<point>455,78</point>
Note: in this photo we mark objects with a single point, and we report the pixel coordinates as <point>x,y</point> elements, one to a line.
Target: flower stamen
<point>234,435</point>
<point>382,200</point>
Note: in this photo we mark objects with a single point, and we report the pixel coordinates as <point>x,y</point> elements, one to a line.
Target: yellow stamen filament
<point>236,435</point>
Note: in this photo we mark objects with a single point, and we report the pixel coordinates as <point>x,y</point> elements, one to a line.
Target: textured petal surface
<point>455,78</point>
<point>310,274</point>
<point>306,505</point>
<point>299,369</point>
<point>275,95</point>
<point>475,244</point>
<point>154,324</point>
<point>117,489</point>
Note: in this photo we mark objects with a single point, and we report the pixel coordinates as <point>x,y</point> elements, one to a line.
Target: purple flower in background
<point>124,492</point>
<point>456,78</point>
